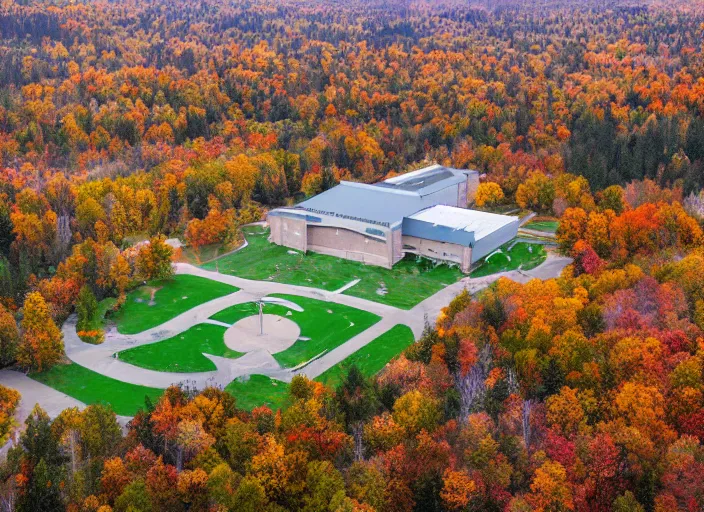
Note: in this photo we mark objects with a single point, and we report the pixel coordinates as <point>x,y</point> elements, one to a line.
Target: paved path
<point>537,233</point>
<point>525,220</point>
<point>100,358</point>
<point>33,392</point>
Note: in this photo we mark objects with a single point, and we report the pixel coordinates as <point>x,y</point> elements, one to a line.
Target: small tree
<point>9,336</point>
<point>154,259</point>
<point>9,400</point>
<point>358,403</point>
<point>488,194</point>
<point>86,307</point>
<point>41,345</point>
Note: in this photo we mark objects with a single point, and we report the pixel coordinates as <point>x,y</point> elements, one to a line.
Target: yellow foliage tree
<point>41,344</point>
<point>488,194</point>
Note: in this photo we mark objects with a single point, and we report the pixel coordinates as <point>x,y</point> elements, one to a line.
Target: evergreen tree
<point>358,403</point>
<point>37,440</point>
<point>7,236</point>
<point>9,337</point>
<point>43,491</point>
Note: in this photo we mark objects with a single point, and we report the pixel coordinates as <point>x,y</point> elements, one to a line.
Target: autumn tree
<point>9,400</point>
<point>154,259</point>
<point>488,194</point>
<point>9,337</point>
<point>41,343</point>
<point>537,192</point>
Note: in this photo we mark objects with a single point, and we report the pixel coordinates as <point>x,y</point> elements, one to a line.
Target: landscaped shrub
<point>95,336</point>
<point>9,400</point>
<point>86,308</point>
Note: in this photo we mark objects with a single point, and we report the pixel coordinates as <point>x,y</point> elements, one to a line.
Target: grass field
<point>92,388</point>
<point>547,226</point>
<point>371,358</point>
<point>183,352</point>
<point>328,325</point>
<point>521,255</point>
<point>170,298</point>
<point>403,286</point>
<point>258,390</point>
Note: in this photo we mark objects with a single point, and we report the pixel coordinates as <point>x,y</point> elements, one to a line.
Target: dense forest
<point>141,120</point>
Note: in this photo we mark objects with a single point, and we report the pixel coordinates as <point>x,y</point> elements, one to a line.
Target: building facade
<point>421,212</point>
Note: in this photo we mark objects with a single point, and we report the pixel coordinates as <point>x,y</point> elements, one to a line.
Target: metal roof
<point>368,203</point>
<point>387,202</point>
<point>430,231</point>
<point>481,224</point>
<point>427,180</point>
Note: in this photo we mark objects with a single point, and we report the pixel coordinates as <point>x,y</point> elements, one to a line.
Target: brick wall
<point>288,232</point>
<point>344,243</point>
<point>397,246</point>
<point>472,185</point>
<point>441,251</point>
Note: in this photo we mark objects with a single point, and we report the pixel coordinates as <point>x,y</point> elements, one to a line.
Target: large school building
<point>422,212</point>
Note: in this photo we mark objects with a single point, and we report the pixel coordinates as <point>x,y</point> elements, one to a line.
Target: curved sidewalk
<point>33,392</point>
<point>99,358</point>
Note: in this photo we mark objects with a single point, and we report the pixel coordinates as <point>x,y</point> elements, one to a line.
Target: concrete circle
<point>279,334</point>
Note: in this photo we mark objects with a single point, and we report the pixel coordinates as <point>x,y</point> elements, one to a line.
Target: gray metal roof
<point>427,180</point>
<point>381,205</point>
<point>389,201</point>
<point>430,231</point>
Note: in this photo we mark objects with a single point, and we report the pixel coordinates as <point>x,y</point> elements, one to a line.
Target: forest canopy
<point>124,124</point>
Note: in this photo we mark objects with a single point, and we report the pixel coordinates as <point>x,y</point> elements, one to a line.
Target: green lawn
<point>91,388</point>
<point>183,352</point>
<point>547,226</point>
<point>258,390</point>
<point>522,256</point>
<point>403,286</point>
<point>327,324</point>
<point>237,312</point>
<point>371,358</point>
<point>170,298</point>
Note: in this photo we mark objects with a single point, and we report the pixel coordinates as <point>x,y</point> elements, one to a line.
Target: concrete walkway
<point>537,233</point>
<point>100,358</point>
<point>525,220</point>
<point>33,392</point>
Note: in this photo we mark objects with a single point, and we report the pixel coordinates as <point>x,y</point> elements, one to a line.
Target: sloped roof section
<point>479,223</point>
<point>367,203</point>
<point>427,180</point>
<point>387,202</point>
